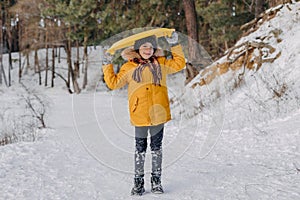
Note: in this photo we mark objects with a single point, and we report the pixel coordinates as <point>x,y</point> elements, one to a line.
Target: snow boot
<point>156,187</point>
<point>138,188</point>
<point>139,160</point>
<point>156,162</point>
<point>156,172</point>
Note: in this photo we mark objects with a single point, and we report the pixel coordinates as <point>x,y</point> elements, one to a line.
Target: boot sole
<point>157,192</point>
<point>138,194</point>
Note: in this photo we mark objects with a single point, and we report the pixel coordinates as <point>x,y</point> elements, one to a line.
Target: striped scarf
<point>154,67</point>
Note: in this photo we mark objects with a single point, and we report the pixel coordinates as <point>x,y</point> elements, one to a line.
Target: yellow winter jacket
<point>148,103</point>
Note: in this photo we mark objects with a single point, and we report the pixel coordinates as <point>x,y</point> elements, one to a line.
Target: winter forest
<point>28,26</point>
<point>235,128</point>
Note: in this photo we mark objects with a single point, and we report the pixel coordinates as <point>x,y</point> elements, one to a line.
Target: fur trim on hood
<point>129,53</point>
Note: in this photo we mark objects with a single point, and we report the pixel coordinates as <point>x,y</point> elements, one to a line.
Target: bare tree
<point>86,61</point>
<point>2,72</point>
<point>47,58</point>
<point>9,40</point>
<point>36,105</point>
<point>53,66</point>
<point>1,52</point>
<point>19,48</point>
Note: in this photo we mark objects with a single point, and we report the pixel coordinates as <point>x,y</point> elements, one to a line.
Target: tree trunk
<point>37,66</point>
<point>53,66</point>
<point>259,7</point>
<point>225,42</point>
<point>190,73</point>
<point>191,18</point>
<point>1,67</point>
<point>20,50</point>
<point>1,53</point>
<point>27,61</point>
<point>2,72</point>
<point>76,64</point>
<point>198,57</point>
<point>70,68</point>
<point>47,59</point>
<point>9,39</point>
<point>85,55</point>
<point>20,66</point>
<point>191,25</point>
<point>9,67</point>
<point>58,55</point>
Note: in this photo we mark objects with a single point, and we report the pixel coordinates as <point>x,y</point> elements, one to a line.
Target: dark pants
<point>156,136</point>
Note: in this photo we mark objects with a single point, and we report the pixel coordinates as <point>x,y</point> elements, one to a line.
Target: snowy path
<point>88,155</point>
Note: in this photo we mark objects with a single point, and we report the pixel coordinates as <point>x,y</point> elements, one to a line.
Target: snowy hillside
<point>253,94</point>
<point>230,138</point>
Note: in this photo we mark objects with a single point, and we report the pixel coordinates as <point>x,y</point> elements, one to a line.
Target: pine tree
<point>117,16</point>
<point>221,21</point>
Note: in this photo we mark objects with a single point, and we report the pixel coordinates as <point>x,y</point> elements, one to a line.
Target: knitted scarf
<point>154,67</point>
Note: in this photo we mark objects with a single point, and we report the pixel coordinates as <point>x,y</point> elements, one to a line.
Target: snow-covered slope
<point>262,93</point>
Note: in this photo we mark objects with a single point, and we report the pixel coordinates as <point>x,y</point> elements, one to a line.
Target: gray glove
<point>107,58</point>
<point>173,40</point>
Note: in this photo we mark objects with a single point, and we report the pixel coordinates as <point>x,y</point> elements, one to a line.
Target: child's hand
<point>107,59</point>
<point>173,40</point>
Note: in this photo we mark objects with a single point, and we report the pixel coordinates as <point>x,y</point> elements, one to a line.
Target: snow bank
<point>23,110</point>
<point>264,93</point>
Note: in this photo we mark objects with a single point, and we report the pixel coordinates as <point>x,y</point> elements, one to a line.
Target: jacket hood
<point>129,53</point>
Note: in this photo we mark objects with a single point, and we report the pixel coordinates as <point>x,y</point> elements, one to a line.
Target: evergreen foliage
<point>221,21</point>
<point>79,15</point>
<point>117,16</point>
<point>71,23</point>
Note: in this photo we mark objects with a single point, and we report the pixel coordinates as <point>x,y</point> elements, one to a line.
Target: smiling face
<point>146,50</point>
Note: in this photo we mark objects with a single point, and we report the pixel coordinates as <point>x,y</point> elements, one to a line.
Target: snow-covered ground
<point>79,158</point>
<point>233,149</point>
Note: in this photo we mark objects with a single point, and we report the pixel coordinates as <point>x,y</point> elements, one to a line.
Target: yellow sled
<point>129,41</point>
